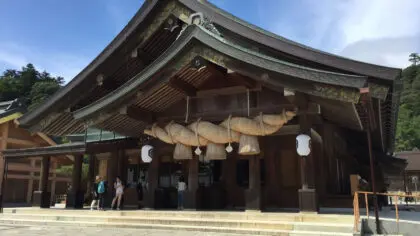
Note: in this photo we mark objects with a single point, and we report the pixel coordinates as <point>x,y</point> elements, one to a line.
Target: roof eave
<point>196,32</point>
<point>32,117</point>
<point>257,34</point>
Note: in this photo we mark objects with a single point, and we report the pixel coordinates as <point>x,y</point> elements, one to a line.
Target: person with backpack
<point>101,193</point>
<point>94,192</point>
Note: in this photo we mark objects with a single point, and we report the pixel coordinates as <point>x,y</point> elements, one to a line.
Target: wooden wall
<point>282,179</point>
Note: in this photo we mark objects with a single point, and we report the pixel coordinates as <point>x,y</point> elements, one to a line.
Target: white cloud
<point>14,56</point>
<point>376,31</point>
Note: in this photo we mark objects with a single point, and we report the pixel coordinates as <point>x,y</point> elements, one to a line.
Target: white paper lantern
<point>303,144</point>
<point>147,153</point>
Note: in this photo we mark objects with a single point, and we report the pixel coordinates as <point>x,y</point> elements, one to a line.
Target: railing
<point>356,206</point>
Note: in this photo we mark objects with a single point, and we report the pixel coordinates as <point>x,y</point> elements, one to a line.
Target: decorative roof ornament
<point>200,20</point>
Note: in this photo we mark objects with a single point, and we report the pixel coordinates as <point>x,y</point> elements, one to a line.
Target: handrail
<point>356,207</point>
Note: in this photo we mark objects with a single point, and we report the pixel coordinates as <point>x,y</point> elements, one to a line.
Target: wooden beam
<point>222,91</point>
<point>22,142</point>
<point>11,166</point>
<point>21,176</point>
<point>243,80</point>
<point>221,115</point>
<point>53,182</point>
<point>182,86</point>
<point>138,113</point>
<point>359,121</point>
<point>30,182</point>
<point>379,112</point>
<point>46,138</point>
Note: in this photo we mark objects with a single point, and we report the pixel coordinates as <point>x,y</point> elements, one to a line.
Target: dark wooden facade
<point>171,55</point>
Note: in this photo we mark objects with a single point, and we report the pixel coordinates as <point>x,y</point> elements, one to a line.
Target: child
<point>94,191</point>
<point>182,186</point>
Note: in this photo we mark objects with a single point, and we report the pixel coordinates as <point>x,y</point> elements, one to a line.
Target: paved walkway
<point>7,230</point>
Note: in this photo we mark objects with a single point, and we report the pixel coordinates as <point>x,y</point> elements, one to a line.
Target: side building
<point>23,174</point>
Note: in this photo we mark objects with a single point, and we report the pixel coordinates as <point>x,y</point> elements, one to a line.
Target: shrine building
<point>220,102</point>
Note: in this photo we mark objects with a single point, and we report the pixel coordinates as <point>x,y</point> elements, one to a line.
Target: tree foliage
<point>28,83</point>
<point>408,127</point>
<point>414,58</point>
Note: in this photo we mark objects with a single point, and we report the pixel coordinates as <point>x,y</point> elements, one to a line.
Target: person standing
<point>94,192</point>
<point>182,186</point>
<point>119,191</point>
<point>101,190</point>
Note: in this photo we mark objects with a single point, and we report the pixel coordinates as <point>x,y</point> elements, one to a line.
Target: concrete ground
<point>12,230</point>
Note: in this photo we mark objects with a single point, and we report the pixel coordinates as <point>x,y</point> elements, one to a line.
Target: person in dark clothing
<point>94,192</point>
<point>141,187</point>
<point>102,190</point>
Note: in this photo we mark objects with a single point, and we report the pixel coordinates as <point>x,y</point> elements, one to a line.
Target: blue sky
<point>62,37</point>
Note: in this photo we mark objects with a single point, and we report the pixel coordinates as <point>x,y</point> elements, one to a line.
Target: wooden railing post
<point>397,218</point>
<point>356,212</point>
<point>367,205</point>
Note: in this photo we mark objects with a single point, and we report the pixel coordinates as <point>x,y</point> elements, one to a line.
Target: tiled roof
<point>413,159</point>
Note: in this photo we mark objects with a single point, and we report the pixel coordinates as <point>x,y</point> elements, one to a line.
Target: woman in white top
<point>119,191</point>
<point>182,186</point>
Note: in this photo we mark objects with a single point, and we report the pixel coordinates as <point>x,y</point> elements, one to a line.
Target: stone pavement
<point>12,230</point>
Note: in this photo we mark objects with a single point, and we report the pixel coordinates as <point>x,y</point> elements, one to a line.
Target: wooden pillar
<point>122,165</point>
<point>31,182</point>
<point>153,183</point>
<point>53,183</point>
<point>308,200</point>
<point>191,194</point>
<point>3,146</point>
<point>229,178</point>
<point>76,197</point>
<point>42,196</point>
<point>112,172</point>
<point>102,166</point>
<point>253,194</point>
<point>91,172</point>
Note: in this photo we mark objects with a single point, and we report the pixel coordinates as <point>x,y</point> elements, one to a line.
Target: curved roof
<point>254,33</point>
<point>223,19</point>
<point>230,50</point>
<point>139,17</point>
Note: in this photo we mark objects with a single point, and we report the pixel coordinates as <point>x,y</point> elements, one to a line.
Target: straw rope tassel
<point>187,114</point>
<point>197,150</point>
<point>229,148</point>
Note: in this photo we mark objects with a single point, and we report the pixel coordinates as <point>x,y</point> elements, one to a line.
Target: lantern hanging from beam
<point>147,153</point>
<point>303,145</point>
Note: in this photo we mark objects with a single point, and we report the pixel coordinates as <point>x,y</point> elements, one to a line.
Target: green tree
<point>408,126</point>
<point>28,83</point>
<point>41,91</point>
<point>414,58</point>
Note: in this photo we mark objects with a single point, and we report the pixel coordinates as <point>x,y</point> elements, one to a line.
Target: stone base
<point>253,200</point>
<point>308,201</point>
<point>41,199</point>
<point>75,200</point>
<point>149,199</point>
<point>190,200</point>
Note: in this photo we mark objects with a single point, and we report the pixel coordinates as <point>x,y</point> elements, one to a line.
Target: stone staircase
<point>226,222</point>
